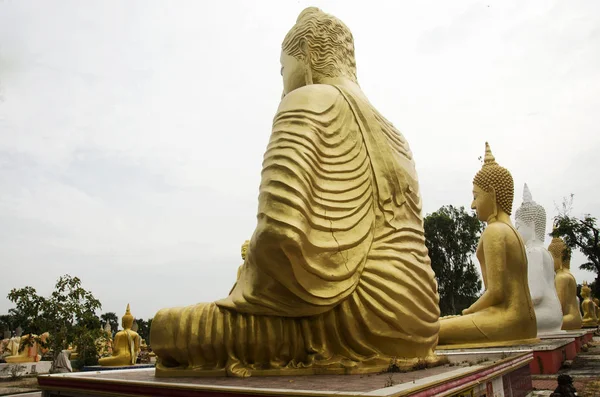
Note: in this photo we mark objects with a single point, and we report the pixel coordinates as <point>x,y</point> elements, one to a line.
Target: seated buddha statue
<point>530,222</point>
<point>337,278</point>
<point>566,286</point>
<point>590,320</point>
<point>239,272</point>
<point>125,346</point>
<point>104,342</point>
<point>504,313</point>
<point>31,349</point>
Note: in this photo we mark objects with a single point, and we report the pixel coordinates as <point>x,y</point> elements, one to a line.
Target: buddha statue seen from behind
<point>504,314</point>
<point>530,221</point>
<point>590,320</point>
<point>566,286</point>
<point>336,277</point>
<point>125,345</point>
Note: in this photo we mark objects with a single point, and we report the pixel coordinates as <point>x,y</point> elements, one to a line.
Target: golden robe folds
<point>337,274</point>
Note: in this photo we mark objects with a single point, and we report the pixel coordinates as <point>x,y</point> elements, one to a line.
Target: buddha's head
<point>127,319</point>
<point>44,337</point>
<point>585,290</point>
<point>493,189</point>
<point>318,46</point>
<point>560,253</point>
<point>245,249</point>
<point>530,218</point>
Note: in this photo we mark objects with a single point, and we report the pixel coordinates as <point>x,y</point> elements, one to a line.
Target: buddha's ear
<point>308,77</point>
<point>494,200</point>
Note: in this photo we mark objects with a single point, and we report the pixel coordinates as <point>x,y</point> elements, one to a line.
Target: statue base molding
<point>548,354</point>
<point>497,373</point>
<point>507,343</point>
<point>404,365</point>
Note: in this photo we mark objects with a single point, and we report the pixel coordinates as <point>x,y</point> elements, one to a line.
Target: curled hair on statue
<point>494,177</point>
<point>325,42</point>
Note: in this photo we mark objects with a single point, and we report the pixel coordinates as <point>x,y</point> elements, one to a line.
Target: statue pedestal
<point>93,368</point>
<point>548,354</point>
<point>581,337</point>
<point>463,375</point>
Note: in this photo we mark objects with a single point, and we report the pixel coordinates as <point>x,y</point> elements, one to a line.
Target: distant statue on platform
<point>566,286</point>
<point>530,221</point>
<point>588,307</point>
<point>104,342</point>
<point>125,346</point>
<point>31,348</point>
<point>62,364</point>
<point>239,272</point>
<point>337,278</point>
<point>504,314</point>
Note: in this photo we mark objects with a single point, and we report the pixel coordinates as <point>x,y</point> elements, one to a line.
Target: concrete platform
<point>548,354</point>
<point>497,374</point>
<point>41,367</point>
<point>581,336</point>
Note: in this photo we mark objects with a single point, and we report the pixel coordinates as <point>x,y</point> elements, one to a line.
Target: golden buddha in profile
<point>336,277</point>
<point>125,345</point>
<point>504,314</point>
<point>590,320</point>
<point>566,285</point>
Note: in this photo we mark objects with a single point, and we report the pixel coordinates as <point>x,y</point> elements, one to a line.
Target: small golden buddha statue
<point>337,278</point>
<point>590,320</point>
<point>504,314</point>
<point>566,285</point>
<point>32,351</point>
<point>244,250</point>
<point>125,346</point>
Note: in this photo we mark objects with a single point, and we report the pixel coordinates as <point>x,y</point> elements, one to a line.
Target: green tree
<point>144,328</point>
<point>112,319</point>
<point>580,233</point>
<point>7,323</point>
<point>68,314</point>
<point>451,236</point>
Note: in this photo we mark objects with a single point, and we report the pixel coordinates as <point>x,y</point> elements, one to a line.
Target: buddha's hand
<point>467,311</point>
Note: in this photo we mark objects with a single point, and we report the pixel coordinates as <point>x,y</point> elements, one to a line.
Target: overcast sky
<point>132,132</point>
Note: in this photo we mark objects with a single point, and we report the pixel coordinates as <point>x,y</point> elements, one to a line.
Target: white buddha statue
<point>531,223</point>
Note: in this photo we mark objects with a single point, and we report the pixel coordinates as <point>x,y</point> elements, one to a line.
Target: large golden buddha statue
<point>504,314</point>
<point>590,320</point>
<point>566,285</point>
<point>125,345</point>
<point>337,278</point>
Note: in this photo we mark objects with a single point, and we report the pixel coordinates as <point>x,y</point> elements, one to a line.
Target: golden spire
<point>489,158</point>
<point>128,311</point>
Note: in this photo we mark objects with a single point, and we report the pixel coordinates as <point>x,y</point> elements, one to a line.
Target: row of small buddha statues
<point>24,348</point>
<point>336,276</point>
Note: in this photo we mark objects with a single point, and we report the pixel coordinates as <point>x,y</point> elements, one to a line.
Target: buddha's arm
<point>536,290</point>
<point>562,291</point>
<point>494,252</point>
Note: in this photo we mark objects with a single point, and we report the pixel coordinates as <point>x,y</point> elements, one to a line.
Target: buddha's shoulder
<point>499,230</point>
<point>314,97</point>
